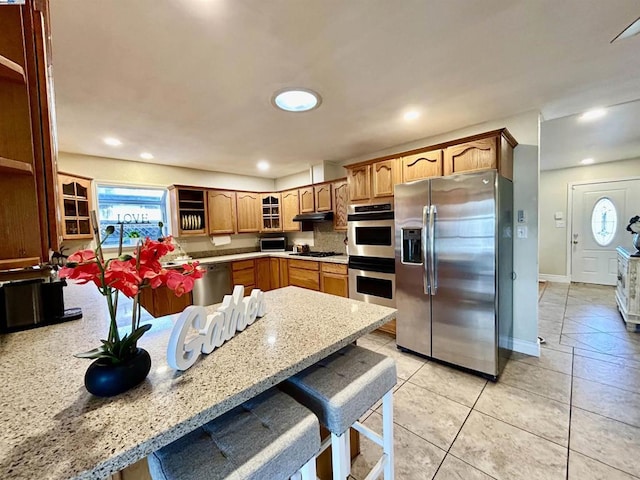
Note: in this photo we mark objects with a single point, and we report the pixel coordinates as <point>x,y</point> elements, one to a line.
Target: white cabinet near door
<point>628,288</point>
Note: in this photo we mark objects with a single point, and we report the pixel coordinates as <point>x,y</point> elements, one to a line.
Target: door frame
<point>570,186</point>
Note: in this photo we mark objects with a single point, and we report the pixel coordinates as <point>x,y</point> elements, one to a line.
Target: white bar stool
<point>339,390</point>
<point>269,437</point>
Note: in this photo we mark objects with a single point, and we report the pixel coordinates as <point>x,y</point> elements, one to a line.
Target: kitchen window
<point>138,209</point>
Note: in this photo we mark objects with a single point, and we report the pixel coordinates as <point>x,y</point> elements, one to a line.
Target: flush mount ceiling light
<point>411,115</point>
<point>114,142</point>
<point>630,31</point>
<point>263,165</point>
<point>587,161</point>
<point>296,99</point>
<point>592,114</point>
<point>146,155</point>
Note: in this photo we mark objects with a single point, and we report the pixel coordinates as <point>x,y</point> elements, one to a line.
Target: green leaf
<point>95,353</point>
<point>126,257</point>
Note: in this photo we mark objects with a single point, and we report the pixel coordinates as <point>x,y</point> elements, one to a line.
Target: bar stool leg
<point>338,455</point>
<point>387,434</point>
<point>347,448</point>
<point>308,470</point>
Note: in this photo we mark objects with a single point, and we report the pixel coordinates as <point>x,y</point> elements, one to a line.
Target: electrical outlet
<point>521,231</point>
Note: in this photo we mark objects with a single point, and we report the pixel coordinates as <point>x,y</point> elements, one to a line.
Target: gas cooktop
<point>316,254</point>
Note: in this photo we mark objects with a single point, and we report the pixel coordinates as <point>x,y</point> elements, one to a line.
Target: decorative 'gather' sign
<point>235,314</point>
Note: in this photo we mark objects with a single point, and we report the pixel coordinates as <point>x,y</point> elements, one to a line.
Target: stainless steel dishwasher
<point>215,284</point>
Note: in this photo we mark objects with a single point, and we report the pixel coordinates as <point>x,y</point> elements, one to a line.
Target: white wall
<point>554,198</point>
<point>293,181</point>
<point>113,170</point>
<point>525,129</point>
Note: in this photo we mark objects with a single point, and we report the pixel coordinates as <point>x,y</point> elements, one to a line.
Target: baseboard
<point>526,347</point>
<point>545,277</point>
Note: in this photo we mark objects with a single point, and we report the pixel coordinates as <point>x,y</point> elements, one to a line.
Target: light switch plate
<point>522,216</point>
<point>558,216</point>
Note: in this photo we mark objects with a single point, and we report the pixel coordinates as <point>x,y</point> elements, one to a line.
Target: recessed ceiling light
<point>263,165</point>
<point>593,114</point>
<point>411,115</point>
<point>296,99</point>
<point>587,161</point>
<point>114,142</point>
<point>146,155</point>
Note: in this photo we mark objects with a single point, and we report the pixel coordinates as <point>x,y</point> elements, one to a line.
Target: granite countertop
<point>342,259</point>
<point>52,428</point>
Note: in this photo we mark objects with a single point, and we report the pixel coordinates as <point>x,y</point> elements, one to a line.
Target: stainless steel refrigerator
<point>454,269</point>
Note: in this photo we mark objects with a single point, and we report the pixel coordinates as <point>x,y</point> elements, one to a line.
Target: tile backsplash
<point>328,240</point>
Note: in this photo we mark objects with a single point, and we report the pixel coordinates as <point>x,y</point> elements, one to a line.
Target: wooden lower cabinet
<point>263,274</point>
<point>162,301</point>
<point>334,279</point>
<point>243,272</point>
<point>305,274</point>
<point>284,272</point>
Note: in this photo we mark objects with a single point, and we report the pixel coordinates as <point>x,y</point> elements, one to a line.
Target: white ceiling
<point>191,80</point>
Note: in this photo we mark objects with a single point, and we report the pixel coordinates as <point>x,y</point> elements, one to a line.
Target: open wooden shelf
<point>11,71</point>
<point>14,166</point>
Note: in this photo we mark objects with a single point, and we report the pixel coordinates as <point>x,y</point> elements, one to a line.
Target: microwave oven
<point>273,244</point>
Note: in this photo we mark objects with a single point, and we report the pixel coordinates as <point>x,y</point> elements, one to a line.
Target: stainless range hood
<point>314,217</point>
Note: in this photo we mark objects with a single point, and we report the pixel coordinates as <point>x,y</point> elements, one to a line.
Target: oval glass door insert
<point>604,221</point>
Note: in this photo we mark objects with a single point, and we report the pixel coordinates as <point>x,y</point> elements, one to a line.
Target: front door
<point>601,212</point>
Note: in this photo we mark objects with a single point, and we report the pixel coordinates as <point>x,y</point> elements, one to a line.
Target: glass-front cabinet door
<point>271,212</point>
<point>75,201</point>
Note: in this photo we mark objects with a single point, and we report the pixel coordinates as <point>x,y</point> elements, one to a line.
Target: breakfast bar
<point>52,428</point>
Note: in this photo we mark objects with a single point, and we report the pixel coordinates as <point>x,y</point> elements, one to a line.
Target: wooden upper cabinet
<point>307,200</point>
<point>421,165</point>
<point>290,208</point>
<point>476,155</point>
<point>270,212</point>
<point>493,151</point>
<point>340,205</point>
<point>75,203</point>
<point>222,212</point>
<point>359,180</point>
<point>323,197</point>
<point>249,216</point>
<point>188,211</point>
<point>385,176</point>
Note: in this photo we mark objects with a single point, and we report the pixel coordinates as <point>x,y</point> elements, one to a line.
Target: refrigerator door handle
<point>425,250</point>
<point>433,281</point>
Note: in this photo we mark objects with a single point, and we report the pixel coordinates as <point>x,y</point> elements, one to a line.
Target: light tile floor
<point>573,413</point>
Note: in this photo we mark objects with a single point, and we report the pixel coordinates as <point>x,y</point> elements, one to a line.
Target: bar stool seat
<point>339,390</point>
<point>268,437</point>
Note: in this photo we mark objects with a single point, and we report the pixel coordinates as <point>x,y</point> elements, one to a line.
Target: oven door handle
<point>432,250</point>
<point>425,250</point>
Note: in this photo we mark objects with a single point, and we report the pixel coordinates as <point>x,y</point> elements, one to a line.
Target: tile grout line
<point>460,430</point>
<point>571,386</point>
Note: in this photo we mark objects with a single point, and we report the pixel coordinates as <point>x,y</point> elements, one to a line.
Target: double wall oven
<point>371,248</point>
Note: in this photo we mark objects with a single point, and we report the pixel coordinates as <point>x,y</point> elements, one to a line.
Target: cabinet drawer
<point>334,268</point>
<point>242,265</point>
<point>304,264</point>
<point>304,278</point>
<point>244,277</point>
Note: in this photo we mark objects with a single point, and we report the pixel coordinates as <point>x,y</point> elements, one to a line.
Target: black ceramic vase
<point>104,379</point>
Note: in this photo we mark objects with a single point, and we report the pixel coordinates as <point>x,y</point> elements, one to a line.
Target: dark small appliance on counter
<point>33,303</point>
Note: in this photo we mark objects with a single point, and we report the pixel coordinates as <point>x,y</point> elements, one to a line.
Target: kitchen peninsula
<point>53,428</point>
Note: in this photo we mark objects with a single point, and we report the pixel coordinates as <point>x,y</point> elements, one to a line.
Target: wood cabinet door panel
<point>263,274</point>
<point>335,284</point>
<point>248,206</point>
<point>244,277</point>
<point>359,180</point>
<point>338,268</point>
<point>307,200</point>
<point>284,272</point>
<point>340,205</point>
<point>477,155</point>
<point>290,208</point>
<point>304,278</point>
<point>323,197</point>
<point>274,273</point>
<point>304,264</point>
<point>422,165</point>
<point>222,212</point>
<point>242,265</point>
<point>384,178</point>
